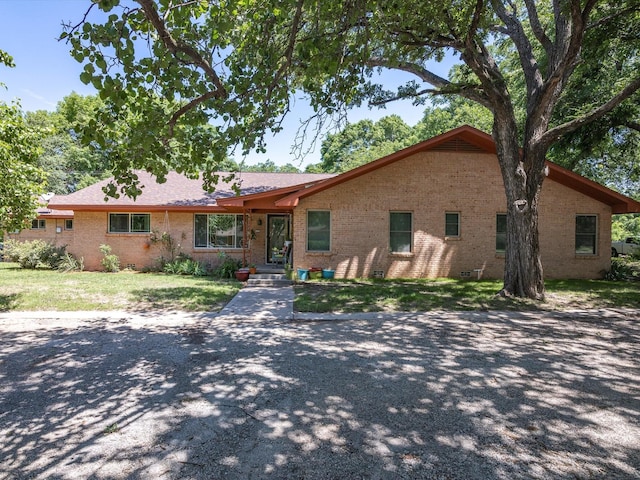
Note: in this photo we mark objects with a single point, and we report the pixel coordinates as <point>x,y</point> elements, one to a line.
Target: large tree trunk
<point>522,172</point>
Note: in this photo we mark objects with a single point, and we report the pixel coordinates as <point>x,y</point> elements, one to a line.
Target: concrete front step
<point>268,280</point>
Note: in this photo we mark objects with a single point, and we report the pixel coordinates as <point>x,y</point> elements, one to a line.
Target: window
<point>318,230</point>
<point>501,233</point>
<point>129,223</point>
<point>218,231</point>
<point>451,224</point>
<point>400,232</point>
<point>586,234</point>
<point>68,224</point>
<point>38,224</point>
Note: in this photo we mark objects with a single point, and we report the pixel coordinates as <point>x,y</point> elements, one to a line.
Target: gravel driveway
<point>439,396</point>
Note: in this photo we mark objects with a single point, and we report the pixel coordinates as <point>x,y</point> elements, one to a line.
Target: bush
<point>227,266</point>
<point>110,262</point>
<point>184,265</point>
<point>68,263</point>
<point>623,269</point>
<point>34,254</point>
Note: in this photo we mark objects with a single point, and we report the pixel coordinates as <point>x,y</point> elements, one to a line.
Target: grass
<point>351,296</point>
<point>22,289</point>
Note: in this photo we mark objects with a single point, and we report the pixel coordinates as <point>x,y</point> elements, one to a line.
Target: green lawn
<point>448,294</point>
<point>22,289</point>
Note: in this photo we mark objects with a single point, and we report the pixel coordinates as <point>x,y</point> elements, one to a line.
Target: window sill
<point>402,254</point>
<point>587,256</point>
<point>126,234</point>
<point>452,239</point>
<point>318,254</point>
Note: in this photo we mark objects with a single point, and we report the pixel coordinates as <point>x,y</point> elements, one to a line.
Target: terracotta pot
<point>242,275</point>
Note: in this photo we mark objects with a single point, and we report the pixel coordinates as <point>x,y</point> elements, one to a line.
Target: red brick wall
<point>428,185</point>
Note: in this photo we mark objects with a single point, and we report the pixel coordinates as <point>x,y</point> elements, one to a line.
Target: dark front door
<point>278,230</point>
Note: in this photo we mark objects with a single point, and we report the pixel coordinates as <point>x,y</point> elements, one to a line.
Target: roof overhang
<point>619,203</point>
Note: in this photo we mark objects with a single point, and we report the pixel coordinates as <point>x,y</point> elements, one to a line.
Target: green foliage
<point>69,263</point>
<point>110,262</point>
<point>361,142</point>
<point>624,269</point>
<point>271,167</point>
<point>624,226</point>
<point>19,152</point>
<point>227,266</point>
<point>170,247</point>
<point>184,265</point>
<point>69,164</point>
<point>35,254</point>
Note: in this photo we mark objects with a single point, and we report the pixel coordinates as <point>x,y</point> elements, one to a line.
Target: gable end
<point>458,145</point>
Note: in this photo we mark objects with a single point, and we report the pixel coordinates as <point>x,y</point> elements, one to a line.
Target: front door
<point>278,230</point>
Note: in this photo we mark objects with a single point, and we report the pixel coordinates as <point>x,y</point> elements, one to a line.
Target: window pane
<point>68,224</point>
<point>319,231</point>
<point>452,225</point>
<point>218,231</point>
<point>119,222</point>
<point>200,225</point>
<point>140,222</point>
<point>501,232</point>
<point>586,234</point>
<point>401,231</point>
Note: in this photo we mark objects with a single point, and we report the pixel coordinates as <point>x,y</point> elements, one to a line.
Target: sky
<point>45,73</point>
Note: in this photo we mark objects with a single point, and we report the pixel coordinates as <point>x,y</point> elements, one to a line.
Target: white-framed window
<point>400,232</point>
<point>586,234</point>
<point>318,230</point>
<point>68,224</point>
<point>129,223</point>
<point>218,230</point>
<point>38,224</point>
<point>501,233</point>
<point>452,224</point>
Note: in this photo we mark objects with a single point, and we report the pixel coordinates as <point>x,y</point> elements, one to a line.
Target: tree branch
<point>176,46</point>
<point>555,133</point>
<point>536,27</point>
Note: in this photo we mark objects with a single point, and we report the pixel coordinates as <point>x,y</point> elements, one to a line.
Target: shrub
<point>68,263</point>
<point>227,266</point>
<point>110,262</point>
<point>185,265</point>
<point>34,254</point>
<point>623,269</point>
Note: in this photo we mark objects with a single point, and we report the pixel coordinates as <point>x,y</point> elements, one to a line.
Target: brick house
<point>436,209</point>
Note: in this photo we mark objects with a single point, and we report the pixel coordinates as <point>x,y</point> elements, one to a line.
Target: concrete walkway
<point>260,303</point>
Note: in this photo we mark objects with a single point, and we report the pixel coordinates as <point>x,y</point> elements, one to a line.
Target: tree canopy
<point>22,180</point>
<point>185,83</point>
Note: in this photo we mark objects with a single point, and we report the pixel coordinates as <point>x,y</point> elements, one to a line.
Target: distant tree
<point>361,142</point>
<point>22,180</point>
<point>69,164</point>
<point>271,167</point>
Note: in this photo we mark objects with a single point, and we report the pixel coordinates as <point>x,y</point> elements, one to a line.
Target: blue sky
<point>45,72</point>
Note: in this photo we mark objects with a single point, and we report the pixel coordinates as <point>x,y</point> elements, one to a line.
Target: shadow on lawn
<point>453,396</point>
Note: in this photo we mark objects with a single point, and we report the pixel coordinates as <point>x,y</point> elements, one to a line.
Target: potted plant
<point>315,273</point>
<point>252,269</point>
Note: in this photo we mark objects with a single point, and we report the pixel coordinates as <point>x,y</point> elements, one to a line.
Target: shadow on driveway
<point>449,395</point>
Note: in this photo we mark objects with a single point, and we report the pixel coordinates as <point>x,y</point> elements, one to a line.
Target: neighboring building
<point>436,209</point>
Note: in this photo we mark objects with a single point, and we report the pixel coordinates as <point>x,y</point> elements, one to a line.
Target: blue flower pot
<point>303,274</point>
<point>326,273</point>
